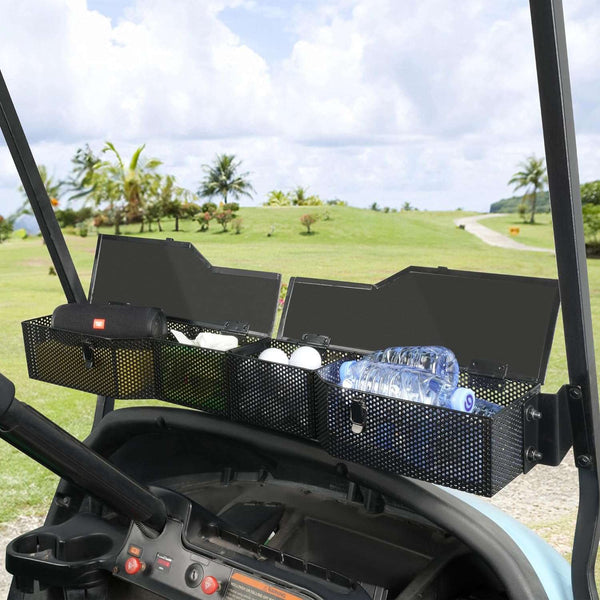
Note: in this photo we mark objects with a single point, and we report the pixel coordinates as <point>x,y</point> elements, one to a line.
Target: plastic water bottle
<point>437,360</point>
<point>411,383</point>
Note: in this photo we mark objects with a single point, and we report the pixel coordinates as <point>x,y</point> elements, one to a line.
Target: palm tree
<point>53,189</point>
<point>81,180</point>
<point>532,177</point>
<point>223,179</point>
<point>299,196</point>
<point>133,181</point>
<point>277,198</point>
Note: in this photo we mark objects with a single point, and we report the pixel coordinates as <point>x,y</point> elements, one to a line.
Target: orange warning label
<point>242,587</point>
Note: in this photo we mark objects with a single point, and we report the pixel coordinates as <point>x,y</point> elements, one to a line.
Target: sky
<point>430,102</point>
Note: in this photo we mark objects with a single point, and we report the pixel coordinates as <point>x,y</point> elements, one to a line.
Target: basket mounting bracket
<point>547,434</point>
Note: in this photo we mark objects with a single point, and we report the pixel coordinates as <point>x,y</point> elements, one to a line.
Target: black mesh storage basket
<point>193,376</point>
<point>272,395</point>
<point>117,368</point>
<point>474,453</point>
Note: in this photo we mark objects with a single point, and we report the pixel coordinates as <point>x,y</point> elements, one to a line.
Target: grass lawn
<point>539,234</point>
<point>347,244</point>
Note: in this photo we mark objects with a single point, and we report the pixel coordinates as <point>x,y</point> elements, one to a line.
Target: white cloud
<point>432,103</point>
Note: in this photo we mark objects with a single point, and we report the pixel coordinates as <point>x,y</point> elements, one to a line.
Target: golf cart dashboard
<point>192,557</point>
<point>168,568</point>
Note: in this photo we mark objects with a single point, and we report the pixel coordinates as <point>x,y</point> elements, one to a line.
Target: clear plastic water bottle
<point>411,383</point>
<point>437,360</point>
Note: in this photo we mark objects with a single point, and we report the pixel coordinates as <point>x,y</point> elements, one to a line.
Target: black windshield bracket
<point>583,435</point>
<point>547,434</point>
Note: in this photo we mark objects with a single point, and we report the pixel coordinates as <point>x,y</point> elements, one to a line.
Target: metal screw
<point>115,570</point>
<point>64,501</point>
<point>533,455</point>
<point>533,414</point>
<point>584,461</point>
<point>576,393</point>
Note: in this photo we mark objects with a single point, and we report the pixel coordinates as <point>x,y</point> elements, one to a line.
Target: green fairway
<point>348,244</point>
<point>538,234</point>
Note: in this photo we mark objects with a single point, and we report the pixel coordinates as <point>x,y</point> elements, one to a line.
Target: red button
<point>133,565</point>
<point>209,585</point>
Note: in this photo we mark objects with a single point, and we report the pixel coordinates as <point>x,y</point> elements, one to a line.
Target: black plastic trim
<point>484,536</point>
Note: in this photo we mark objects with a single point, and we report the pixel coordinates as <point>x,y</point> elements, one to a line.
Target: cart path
<point>491,237</point>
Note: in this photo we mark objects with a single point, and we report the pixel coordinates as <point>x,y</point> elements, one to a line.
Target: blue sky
<point>434,104</point>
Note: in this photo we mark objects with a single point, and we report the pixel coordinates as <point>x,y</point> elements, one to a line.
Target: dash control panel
<point>165,567</point>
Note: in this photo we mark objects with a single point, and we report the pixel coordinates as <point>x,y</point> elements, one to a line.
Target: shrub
<point>232,206</point>
<point>313,201</point>
<point>209,207</point>
<point>204,219</point>
<point>375,206</point>
<point>100,220</point>
<point>82,229</point>
<point>189,210</point>
<point>337,202</point>
<point>591,222</point>
<point>590,192</point>
<point>5,228</point>
<point>223,218</point>
<point>308,220</point>
<point>282,294</point>
<point>237,225</point>
<point>69,217</point>
<point>66,217</point>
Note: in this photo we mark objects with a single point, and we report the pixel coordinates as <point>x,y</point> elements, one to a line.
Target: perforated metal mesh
<point>192,376</point>
<point>122,368</point>
<point>474,453</point>
<point>114,368</point>
<point>272,395</point>
<point>469,452</point>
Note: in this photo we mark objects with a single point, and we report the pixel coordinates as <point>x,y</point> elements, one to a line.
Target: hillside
<point>511,205</point>
<point>590,194</point>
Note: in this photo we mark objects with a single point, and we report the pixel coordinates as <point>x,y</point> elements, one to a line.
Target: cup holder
<point>77,549</point>
<point>85,547</point>
<point>36,544</point>
<point>77,553</point>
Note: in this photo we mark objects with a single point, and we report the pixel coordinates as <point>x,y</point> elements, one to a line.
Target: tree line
<point>115,192</point>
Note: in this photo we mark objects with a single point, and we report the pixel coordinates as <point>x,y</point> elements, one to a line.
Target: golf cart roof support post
<point>38,197</point>
<point>563,183</point>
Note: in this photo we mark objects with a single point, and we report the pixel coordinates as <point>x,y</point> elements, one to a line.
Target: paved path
<point>493,238</point>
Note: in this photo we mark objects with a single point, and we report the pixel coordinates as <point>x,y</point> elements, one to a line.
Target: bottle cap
<point>463,399</point>
<point>344,368</point>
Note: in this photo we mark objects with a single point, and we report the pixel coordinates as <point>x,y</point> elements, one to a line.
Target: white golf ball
<point>306,357</point>
<point>274,355</point>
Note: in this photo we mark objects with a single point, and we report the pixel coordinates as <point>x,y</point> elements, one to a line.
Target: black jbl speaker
<point>111,320</point>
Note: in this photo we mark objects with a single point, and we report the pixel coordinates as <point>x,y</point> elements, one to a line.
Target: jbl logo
<point>99,323</point>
